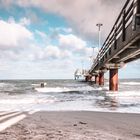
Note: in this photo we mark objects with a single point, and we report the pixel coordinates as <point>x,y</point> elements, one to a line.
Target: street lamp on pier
<point>99,25</point>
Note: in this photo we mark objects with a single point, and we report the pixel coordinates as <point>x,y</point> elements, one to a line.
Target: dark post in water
<point>101,79</point>
<point>113,80</point>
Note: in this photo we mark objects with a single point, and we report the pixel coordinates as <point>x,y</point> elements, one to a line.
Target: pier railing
<point>126,17</point>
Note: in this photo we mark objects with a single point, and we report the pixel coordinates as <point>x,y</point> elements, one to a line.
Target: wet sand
<point>75,126</point>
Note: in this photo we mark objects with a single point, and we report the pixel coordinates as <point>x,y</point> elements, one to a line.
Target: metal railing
<point>124,19</point>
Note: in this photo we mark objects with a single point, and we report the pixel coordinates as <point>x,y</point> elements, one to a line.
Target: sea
<point>69,95</point>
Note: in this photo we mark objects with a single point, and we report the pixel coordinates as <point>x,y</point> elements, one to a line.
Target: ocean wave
<point>35,84</point>
<point>123,93</point>
<point>51,89</point>
<point>45,102</point>
<point>65,89</point>
<point>2,84</point>
<point>26,101</point>
<point>130,83</point>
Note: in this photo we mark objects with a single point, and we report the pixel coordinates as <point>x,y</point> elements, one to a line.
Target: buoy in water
<point>43,84</point>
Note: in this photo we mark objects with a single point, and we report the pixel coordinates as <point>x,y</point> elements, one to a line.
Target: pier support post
<point>101,79</point>
<point>88,78</point>
<point>113,80</point>
<point>138,7</point>
<point>96,79</point>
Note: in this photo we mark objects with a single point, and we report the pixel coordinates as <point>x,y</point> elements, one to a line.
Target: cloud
<point>41,34</point>
<point>81,15</point>
<point>13,34</point>
<point>75,44</point>
<point>52,52</point>
<point>5,3</point>
<point>71,47</point>
<point>62,29</point>
<point>66,30</point>
<point>55,32</point>
<point>17,41</point>
<point>33,53</point>
<point>25,21</point>
<point>71,42</point>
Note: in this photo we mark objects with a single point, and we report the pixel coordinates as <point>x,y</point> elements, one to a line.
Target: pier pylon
<point>96,79</point>
<point>113,79</point>
<point>101,79</point>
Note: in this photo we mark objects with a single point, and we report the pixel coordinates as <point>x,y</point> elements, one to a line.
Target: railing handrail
<point>116,30</point>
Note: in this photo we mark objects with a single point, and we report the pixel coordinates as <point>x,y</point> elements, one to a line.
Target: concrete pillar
<point>96,79</point>
<point>113,80</point>
<point>138,7</point>
<point>101,79</point>
<point>88,78</point>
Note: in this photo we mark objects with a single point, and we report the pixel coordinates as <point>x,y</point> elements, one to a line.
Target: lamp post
<point>100,77</point>
<point>99,25</point>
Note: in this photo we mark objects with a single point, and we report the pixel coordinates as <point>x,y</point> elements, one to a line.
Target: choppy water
<point>67,95</point>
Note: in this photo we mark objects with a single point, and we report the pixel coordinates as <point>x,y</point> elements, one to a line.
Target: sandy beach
<point>74,126</point>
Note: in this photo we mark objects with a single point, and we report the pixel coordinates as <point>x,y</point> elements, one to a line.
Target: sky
<point>50,39</point>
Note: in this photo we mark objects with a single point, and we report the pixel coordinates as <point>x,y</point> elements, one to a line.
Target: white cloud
<point>33,60</point>
<point>11,20</point>
<point>62,29</point>
<point>52,52</point>
<point>18,48</point>
<point>25,21</point>
<point>33,53</point>
<point>41,34</point>
<point>71,42</point>
<point>13,34</point>
<point>6,3</point>
<point>67,30</point>
<point>75,44</point>
<point>81,15</point>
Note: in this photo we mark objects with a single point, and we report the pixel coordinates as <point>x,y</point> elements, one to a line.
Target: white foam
<point>49,89</point>
<point>76,102</point>
<point>130,83</point>
<point>2,84</point>
<point>88,104</point>
<point>26,101</point>
<point>35,84</point>
<point>124,94</point>
<point>64,89</point>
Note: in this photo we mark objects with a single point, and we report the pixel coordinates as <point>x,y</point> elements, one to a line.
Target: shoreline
<point>76,125</point>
